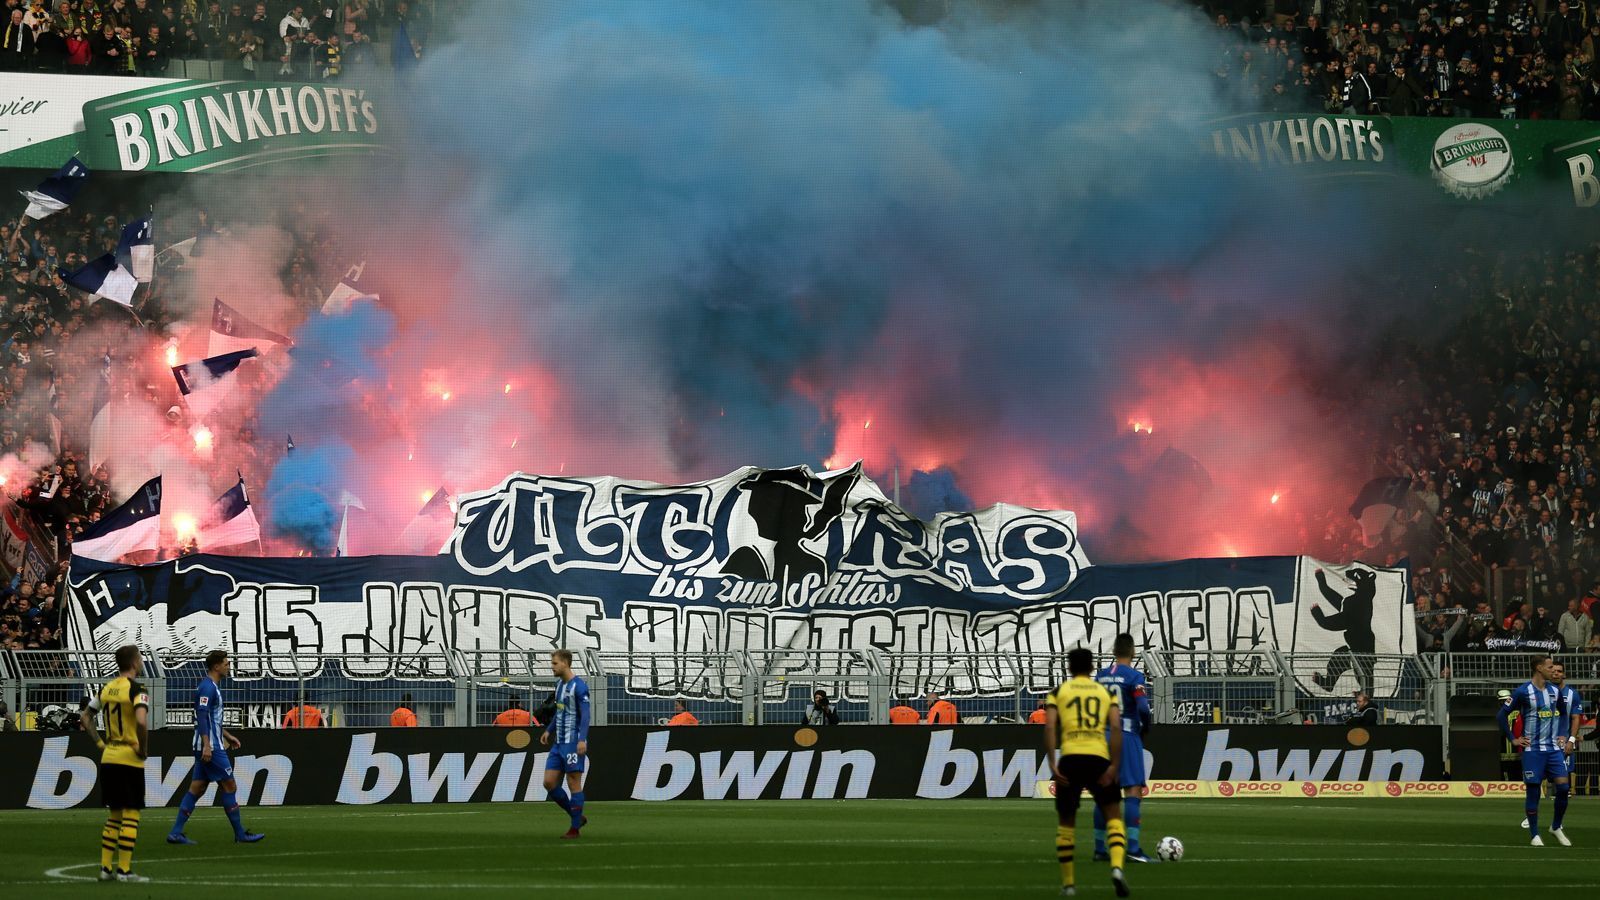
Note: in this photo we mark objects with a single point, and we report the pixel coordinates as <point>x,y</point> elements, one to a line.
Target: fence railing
<point>44,689</point>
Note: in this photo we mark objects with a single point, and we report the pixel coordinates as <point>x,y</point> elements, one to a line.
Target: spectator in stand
<point>940,712</point>
<point>403,716</point>
<point>16,44</point>
<point>153,53</point>
<point>331,61</point>
<point>294,29</point>
<point>78,50</point>
<point>681,714</point>
<point>1575,627</point>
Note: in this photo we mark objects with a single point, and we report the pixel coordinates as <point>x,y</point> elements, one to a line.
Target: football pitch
<point>873,848</point>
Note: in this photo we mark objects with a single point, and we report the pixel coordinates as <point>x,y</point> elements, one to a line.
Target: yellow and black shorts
<point>1083,774</point>
<point>121,787</point>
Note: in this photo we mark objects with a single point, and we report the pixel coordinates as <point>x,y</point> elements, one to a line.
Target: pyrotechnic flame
<point>1274,498</point>
<point>508,387</point>
<point>202,438</point>
<point>865,425</point>
<point>445,396</point>
<point>184,524</point>
<point>172,354</point>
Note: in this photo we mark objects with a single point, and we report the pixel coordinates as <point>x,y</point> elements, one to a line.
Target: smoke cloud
<point>666,240</point>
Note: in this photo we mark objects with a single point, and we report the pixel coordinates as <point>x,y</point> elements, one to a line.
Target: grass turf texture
<point>875,848</point>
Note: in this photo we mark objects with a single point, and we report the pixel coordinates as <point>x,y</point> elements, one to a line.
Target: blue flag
<point>58,191</point>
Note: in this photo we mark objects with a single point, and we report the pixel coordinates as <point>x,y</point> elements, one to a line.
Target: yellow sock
<point>1116,842</point>
<point>1065,844</point>
<point>108,839</point>
<point>130,836</point>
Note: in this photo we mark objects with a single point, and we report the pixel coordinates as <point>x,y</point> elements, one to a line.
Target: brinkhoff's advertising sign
<point>761,559</point>
<point>459,765</point>
<point>1466,159</point>
<point>173,125</point>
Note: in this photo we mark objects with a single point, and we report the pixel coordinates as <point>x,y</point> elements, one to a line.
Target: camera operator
<point>821,711</point>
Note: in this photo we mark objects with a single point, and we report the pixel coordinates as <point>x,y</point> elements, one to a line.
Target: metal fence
<point>486,687</point>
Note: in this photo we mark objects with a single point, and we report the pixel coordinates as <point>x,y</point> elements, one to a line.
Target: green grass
<point>880,848</point>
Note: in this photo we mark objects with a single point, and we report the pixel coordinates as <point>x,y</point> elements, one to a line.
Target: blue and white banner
<point>760,559</point>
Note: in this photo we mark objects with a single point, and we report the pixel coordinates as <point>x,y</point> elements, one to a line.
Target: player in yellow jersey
<point>126,708</point>
<point>1082,720</point>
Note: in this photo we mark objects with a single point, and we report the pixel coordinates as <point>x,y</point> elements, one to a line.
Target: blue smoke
<point>315,403</point>
<point>927,494</point>
<point>304,491</point>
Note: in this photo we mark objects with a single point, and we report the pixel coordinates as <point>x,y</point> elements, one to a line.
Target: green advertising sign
<point>228,126</point>
<point>1470,160</point>
<point>170,125</point>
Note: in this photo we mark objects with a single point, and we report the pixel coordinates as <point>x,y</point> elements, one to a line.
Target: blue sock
<point>1532,808</point>
<point>1563,792</point>
<point>185,809</point>
<point>559,795</point>
<point>577,809</point>
<point>230,804</point>
<point>1130,817</point>
<point>1099,831</point>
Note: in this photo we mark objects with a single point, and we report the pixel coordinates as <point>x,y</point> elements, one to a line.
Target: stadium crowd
<point>299,39</point>
<point>1512,59</point>
<point>1500,433</point>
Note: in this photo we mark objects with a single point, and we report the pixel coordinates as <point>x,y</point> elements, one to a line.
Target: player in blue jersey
<point>1571,714</point>
<point>569,731</point>
<point>211,763</point>
<point>1128,685</point>
<point>1544,757</point>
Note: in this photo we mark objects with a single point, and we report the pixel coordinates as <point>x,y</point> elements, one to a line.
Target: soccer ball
<point>1170,849</point>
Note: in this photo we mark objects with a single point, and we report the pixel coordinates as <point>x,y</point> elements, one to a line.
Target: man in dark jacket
<point>1366,713</point>
<point>821,711</point>
<point>1357,94</point>
<point>16,44</point>
<point>1406,94</point>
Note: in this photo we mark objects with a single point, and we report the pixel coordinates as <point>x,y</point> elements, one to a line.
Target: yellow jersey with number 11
<point>118,705</point>
<point>1082,708</point>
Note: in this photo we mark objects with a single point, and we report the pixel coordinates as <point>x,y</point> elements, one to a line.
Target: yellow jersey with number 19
<point>1082,708</point>
<point>117,706</point>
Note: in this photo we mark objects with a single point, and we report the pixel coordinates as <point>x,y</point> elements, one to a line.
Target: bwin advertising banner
<point>361,767</point>
<point>760,559</point>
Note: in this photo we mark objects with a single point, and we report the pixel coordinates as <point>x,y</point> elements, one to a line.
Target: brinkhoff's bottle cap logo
<point>1472,161</point>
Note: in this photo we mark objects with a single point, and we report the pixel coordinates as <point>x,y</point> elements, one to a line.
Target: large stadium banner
<point>759,559</point>
<point>177,125</point>
<point>459,765</point>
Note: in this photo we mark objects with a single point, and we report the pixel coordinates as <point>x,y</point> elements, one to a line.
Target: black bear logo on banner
<point>1353,616</point>
<point>788,507</point>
